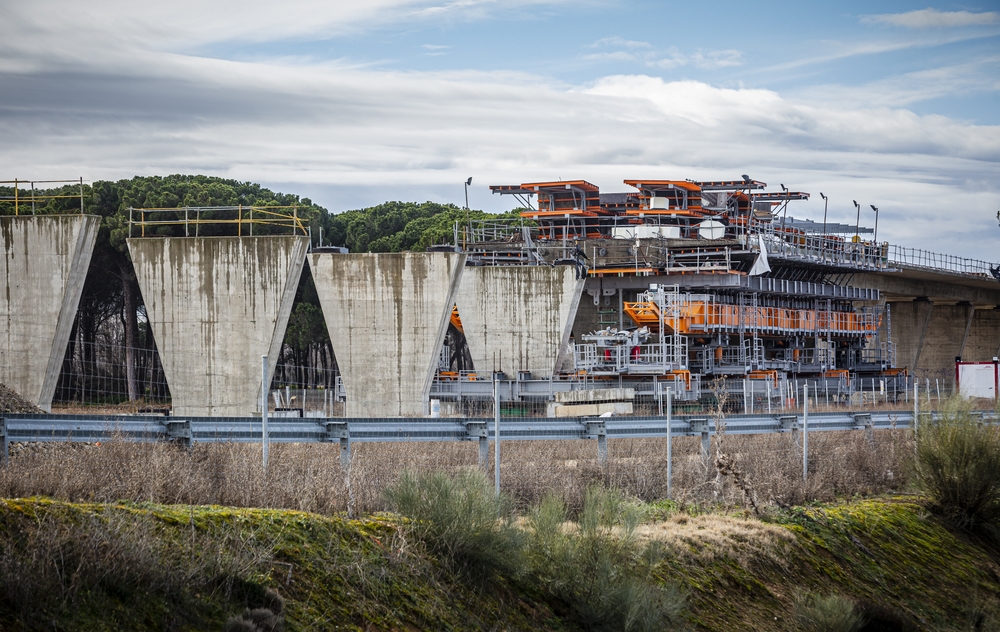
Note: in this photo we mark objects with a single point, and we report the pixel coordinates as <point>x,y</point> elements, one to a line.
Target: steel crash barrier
<point>344,430</point>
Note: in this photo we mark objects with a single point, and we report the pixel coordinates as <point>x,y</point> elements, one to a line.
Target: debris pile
<point>11,402</point>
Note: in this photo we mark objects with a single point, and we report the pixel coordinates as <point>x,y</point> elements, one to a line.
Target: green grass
<point>195,568</point>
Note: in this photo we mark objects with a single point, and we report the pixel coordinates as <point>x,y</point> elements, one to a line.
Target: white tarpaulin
<point>760,266</point>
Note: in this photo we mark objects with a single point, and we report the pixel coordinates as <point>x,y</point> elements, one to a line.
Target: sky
<point>891,104</point>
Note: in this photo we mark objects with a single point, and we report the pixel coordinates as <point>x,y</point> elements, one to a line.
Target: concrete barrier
<point>518,318</point>
<point>216,305</point>
<point>43,270</point>
<point>387,315</point>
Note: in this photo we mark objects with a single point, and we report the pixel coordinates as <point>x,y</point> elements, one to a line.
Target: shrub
<point>827,613</point>
<point>462,520</point>
<point>958,467</point>
<point>600,570</point>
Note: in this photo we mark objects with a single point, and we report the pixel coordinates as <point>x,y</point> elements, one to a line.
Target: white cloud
<point>932,18</point>
<point>620,42</point>
<point>116,108</point>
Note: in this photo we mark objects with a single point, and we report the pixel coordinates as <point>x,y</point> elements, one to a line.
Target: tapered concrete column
<point>518,318</point>
<point>387,315</point>
<point>216,305</point>
<point>42,271</point>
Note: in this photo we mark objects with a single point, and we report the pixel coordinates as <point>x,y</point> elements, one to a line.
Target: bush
<point>600,570</point>
<point>462,520</point>
<point>827,613</point>
<point>958,467</point>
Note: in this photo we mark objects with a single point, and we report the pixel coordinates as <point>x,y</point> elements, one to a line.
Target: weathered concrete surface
<point>595,395</point>
<point>983,342</point>
<point>387,315</point>
<point>518,318</point>
<point>43,269</point>
<point>216,305</point>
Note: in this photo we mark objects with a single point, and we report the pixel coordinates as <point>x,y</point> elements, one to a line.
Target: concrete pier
<point>518,318</point>
<point>43,269</point>
<point>387,315</point>
<point>216,305</point>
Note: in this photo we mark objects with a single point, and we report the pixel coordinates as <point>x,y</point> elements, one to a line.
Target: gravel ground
<point>11,402</point>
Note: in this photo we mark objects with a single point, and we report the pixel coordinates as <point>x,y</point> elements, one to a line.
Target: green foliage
<point>600,570</point>
<point>958,466</point>
<point>462,520</point>
<point>399,226</point>
<point>306,326</point>
<point>827,613</point>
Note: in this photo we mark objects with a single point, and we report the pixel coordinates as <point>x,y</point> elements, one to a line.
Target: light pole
<point>857,225</point>
<point>875,237</point>
<point>468,221</point>
<point>826,202</point>
<point>784,189</point>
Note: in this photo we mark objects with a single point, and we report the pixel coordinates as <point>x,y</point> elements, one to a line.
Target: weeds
<point>827,613</point>
<point>462,520</point>
<point>596,567</point>
<point>958,466</point>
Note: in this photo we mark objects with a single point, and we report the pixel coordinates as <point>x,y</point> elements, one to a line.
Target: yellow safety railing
<point>32,197</point>
<point>191,218</point>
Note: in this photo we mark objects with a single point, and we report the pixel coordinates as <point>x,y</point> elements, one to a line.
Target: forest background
<point>112,313</point>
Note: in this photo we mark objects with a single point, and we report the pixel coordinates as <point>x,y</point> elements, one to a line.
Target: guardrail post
<point>701,426</point>
<point>5,455</point>
<point>179,431</point>
<point>339,431</point>
<point>478,430</point>
<point>597,430</point>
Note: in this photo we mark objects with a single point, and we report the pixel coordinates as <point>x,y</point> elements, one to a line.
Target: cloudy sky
<point>353,103</point>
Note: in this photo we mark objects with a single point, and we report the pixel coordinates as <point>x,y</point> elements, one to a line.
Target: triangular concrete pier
<point>42,272</point>
<point>387,315</point>
<point>216,305</point>
<point>518,318</point>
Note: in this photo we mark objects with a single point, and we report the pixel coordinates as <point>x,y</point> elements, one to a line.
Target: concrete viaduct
<point>216,304</point>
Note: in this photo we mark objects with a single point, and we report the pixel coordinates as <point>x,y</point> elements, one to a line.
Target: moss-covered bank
<point>137,566</point>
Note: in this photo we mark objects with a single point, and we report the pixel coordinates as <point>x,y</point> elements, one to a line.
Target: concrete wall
<point>518,318</point>
<point>43,269</point>
<point>929,336</point>
<point>387,315</point>
<point>216,305</point>
<point>983,343</point>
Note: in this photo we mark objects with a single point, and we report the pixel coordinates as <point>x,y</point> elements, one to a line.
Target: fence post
<point>496,434</point>
<point>916,405</point>
<point>805,431</point>
<point>670,434</point>
<point>264,387</point>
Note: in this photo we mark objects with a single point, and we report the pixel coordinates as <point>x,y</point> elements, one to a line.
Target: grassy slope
<point>887,552</point>
<point>334,573</point>
<point>363,574</point>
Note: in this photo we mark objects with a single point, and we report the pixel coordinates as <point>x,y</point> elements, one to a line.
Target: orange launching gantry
<point>699,278</point>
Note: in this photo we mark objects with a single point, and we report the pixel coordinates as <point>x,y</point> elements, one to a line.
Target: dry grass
<point>310,478</point>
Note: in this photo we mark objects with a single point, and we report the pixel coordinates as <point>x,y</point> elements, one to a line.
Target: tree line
<point>112,301</point>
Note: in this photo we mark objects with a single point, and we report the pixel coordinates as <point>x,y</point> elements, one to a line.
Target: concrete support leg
<point>518,318</point>
<point>387,315</point>
<point>43,268</point>
<point>968,325</point>
<point>216,305</point>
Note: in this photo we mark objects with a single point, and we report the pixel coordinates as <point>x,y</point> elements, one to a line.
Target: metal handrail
<point>917,258</point>
<point>19,200</point>
<point>266,215</point>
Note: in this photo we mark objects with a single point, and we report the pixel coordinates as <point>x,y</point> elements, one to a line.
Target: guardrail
<point>917,258</point>
<point>345,430</point>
